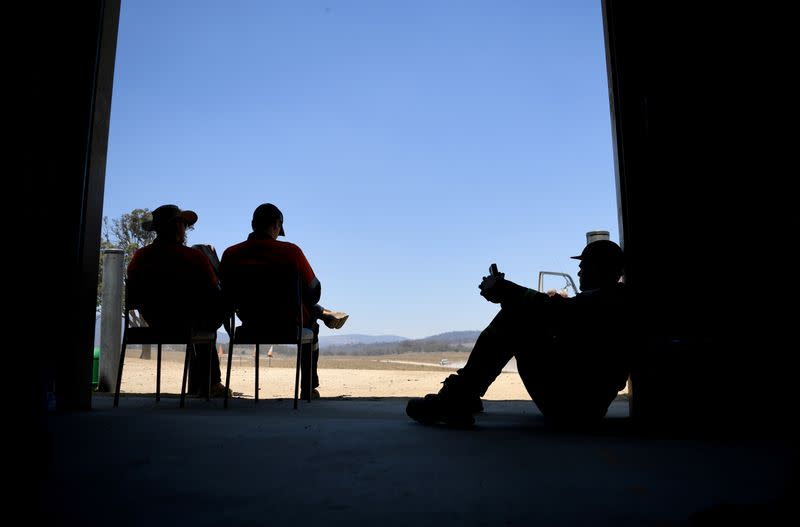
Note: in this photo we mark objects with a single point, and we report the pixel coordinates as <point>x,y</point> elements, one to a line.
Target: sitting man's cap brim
<point>601,251</point>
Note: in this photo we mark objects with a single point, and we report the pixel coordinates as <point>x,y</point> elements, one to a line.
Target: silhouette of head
<point>265,217</point>
<point>602,263</point>
<point>166,214</point>
<point>165,219</point>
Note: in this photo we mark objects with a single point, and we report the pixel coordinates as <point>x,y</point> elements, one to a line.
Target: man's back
<point>172,284</point>
<point>261,268</point>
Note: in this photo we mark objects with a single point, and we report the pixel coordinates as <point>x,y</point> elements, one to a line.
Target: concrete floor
<point>363,462</point>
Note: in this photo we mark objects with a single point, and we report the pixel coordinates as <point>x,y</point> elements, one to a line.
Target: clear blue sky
<point>409,143</point>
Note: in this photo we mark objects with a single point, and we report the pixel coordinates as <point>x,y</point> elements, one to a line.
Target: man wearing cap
<point>571,355</point>
<point>262,256</point>
<point>175,286</point>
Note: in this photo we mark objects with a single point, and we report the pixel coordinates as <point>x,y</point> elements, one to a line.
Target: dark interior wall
<point>696,228</point>
<point>65,79</point>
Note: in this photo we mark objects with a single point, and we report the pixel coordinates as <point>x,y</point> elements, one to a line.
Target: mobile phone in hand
<point>493,270</point>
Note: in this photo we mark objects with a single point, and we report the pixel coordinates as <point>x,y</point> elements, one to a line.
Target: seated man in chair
<point>262,259</point>
<point>174,286</point>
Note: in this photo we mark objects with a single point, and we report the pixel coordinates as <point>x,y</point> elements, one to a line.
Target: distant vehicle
<point>444,362</point>
<point>569,283</point>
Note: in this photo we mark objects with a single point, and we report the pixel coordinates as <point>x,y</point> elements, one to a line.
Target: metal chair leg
<point>208,388</point>
<point>212,351</point>
<point>310,371</point>
<point>257,350</point>
<point>228,373</point>
<point>158,375</point>
<point>186,365</point>
<point>297,375</point>
<point>119,370</point>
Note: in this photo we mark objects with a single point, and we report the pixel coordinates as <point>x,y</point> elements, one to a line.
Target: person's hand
<point>493,287</point>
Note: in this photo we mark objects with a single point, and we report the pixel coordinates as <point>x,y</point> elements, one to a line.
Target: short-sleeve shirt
<point>268,256</point>
<point>173,284</point>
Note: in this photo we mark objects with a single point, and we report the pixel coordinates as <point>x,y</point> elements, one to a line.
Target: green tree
<point>128,234</point>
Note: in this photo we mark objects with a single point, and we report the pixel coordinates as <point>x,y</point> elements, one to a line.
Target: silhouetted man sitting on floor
<point>174,286</point>
<point>572,355</point>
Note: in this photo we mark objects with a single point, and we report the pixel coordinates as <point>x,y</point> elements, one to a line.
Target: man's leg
<point>541,375</point>
<point>496,345</point>
<point>312,350</point>
<point>460,395</point>
<point>198,372</point>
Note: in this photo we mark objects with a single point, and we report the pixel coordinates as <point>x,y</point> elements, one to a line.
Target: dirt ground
<point>404,375</point>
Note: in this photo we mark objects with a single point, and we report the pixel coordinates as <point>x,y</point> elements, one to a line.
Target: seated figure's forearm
<point>516,295</point>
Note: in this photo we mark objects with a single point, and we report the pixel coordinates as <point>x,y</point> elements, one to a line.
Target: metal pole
<point>110,319</point>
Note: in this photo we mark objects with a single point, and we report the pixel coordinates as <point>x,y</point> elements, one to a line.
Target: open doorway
<point>409,146</point>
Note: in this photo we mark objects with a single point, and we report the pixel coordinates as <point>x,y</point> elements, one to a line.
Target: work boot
<point>334,319</point>
<point>314,395</point>
<point>218,390</point>
<point>453,405</point>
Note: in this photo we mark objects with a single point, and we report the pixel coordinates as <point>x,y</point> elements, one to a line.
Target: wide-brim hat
<point>167,213</point>
<point>602,252</point>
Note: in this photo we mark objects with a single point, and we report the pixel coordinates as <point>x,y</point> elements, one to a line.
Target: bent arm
<point>312,291</point>
<point>519,296</point>
<point>498,290</point>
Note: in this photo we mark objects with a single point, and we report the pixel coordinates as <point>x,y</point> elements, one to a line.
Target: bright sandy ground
<point>406,375</point>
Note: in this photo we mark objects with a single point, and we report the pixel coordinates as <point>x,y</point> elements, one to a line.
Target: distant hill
<point>358,344</point>
<point>449,341</point>
<point>454,337</point>
<point>450,337</point>
<point>327,341</point>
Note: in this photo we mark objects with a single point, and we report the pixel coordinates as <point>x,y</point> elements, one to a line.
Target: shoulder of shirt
<point>146,248</point>
<point>288,245</point>
<point>248,243</point>
<point>233,248</point>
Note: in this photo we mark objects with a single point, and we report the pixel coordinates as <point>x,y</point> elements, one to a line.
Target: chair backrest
<point>129,303</point>
<point>265,296</point>
<point>169,298</point>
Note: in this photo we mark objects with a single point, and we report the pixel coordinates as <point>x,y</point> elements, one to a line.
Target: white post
<point>110,319</point>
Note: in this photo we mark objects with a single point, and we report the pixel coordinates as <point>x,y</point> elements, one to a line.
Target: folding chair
<point>160,336</point>
<point>278,298</point>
